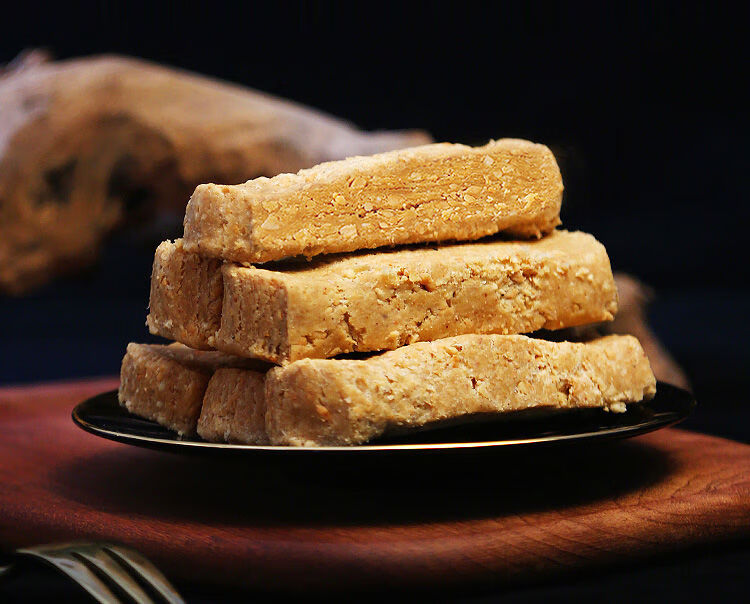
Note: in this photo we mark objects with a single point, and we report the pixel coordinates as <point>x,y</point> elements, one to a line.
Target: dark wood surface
<point>481,519</point>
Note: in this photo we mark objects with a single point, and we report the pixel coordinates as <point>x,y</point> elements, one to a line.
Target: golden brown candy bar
<point>317,402</point>
<point>434,192</point>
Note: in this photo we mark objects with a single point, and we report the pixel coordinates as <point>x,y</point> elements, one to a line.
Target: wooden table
<point>489,518</point>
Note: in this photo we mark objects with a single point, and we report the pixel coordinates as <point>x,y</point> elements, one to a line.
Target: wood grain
<point>475,519</point>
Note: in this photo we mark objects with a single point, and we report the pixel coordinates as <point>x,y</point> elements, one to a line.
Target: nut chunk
<point>317,402</point>
<point>430,193</point>
<point>166,384</point>
<point>186,295</point>
<point>384,300</point>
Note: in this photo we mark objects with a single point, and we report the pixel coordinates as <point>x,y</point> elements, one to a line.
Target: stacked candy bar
<point>430,260</point>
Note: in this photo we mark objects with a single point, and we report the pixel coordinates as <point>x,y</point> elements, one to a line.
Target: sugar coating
<point>433,192</point>
<point>318,402</point>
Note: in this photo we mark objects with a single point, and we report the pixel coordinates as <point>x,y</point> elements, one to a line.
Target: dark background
<point>645,107</point>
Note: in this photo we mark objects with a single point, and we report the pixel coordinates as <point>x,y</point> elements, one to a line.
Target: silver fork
<point>109,573</point>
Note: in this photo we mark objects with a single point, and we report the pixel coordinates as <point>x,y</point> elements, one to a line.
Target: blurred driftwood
<point>88,144</point>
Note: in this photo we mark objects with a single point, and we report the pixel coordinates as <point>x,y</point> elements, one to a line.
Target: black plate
<point>103,416</point>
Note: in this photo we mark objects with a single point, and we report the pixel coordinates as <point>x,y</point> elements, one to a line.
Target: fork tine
<point>76,570</point>
<point>141,566</point>
<point>114,571</point>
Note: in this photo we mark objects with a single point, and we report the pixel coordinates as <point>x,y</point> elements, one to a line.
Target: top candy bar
<point>430,193</point>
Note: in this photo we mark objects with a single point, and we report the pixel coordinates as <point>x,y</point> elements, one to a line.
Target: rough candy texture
<point>234,408</point>
<point>317,402</point>
<point>430,193</point>
<point>186,296</point>
<point>166,384</point>
<point>385,300</point>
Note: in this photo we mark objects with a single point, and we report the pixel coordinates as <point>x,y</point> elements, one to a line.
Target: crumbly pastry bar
<point>317,402</point>
<point>430,193</point>
<point>166,384</point>
<point>186,296</point>
<point>384,300</point>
